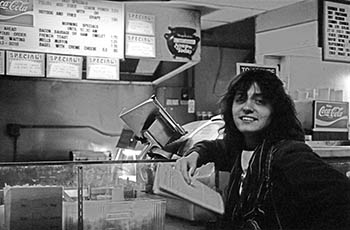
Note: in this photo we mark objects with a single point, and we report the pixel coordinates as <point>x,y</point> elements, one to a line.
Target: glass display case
<point>80,195</point>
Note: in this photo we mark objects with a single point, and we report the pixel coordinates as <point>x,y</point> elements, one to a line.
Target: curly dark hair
<point>284,122</point>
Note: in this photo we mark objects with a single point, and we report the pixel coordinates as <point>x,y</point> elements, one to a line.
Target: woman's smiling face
<point>251,112</point>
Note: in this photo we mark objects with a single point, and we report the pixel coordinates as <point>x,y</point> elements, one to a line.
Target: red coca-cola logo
<point>14,7</point>
<point>331,112</point>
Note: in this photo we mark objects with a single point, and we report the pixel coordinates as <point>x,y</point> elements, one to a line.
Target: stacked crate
<point>33,207</point>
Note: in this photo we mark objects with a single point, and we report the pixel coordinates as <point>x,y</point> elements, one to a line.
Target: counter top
<point>330,148</point>
<point>332,151</point>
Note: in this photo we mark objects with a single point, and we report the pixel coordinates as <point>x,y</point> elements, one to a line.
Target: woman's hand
<point>187,165</point>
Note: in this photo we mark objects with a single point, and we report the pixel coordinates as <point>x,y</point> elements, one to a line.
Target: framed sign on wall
<point>336,31</point>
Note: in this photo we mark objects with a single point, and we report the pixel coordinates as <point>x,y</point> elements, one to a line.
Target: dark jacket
<point>287,186</point>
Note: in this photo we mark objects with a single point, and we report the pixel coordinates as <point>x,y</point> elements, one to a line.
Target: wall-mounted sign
<point>139,21</point>
<point>25,64</point>
<point>182,41</point>
<point>336,31</point>
<point>140,46</point>
<point>2,62</point>
<point>241,67</point>
<point>140,35</point>
<point>143,24</point>
<point>331,116</point>
<point>102,68</point>
<point>86,27</point>
<point>62,66</point>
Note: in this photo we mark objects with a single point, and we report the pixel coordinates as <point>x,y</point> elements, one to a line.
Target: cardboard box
<point>33,207</point>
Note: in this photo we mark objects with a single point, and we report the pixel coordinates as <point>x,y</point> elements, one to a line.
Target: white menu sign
<point>336,31</point>
<point>140,46</point>
<point>25,64</point>
<point>140,38</point>
<point>84,27</point>
<point>140,23</point>
<point>61,66</point>
<point>102,68</point>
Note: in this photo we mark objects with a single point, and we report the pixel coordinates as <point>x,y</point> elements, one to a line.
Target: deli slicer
<point>153,126</point>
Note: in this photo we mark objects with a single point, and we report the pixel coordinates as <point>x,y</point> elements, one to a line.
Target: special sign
<point>331,116</point>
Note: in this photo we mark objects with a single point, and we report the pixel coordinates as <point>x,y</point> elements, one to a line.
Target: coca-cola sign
<point>331,112</point>
<point>16,12</point>
<point>331,116</point>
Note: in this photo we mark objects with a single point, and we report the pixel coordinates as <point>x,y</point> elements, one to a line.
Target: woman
<point>276,180</point>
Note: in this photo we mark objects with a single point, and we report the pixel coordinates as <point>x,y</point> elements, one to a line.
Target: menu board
<point>25,64</point>
<point>336,31</point>
<point>102,68</point>
<point>62,66</point>
<point>84,27</point>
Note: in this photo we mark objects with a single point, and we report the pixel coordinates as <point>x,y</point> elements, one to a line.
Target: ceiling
<point>220,12</point>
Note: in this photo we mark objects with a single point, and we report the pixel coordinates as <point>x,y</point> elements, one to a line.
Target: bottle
<point>199,115</point>
<point>204,115</point>
<point>128,190</point>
